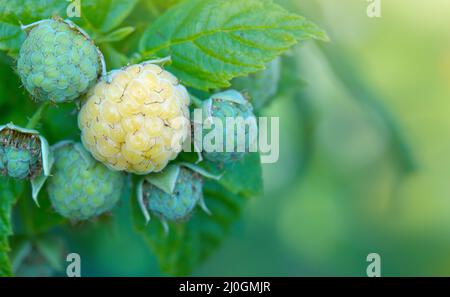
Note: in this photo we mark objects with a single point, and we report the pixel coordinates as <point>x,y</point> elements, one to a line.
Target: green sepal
<point>228,95</point>
<point>38,182</point>
<point>140,199</point>
<point>201,170</point>
<point>166,181</point>
<point>46,157</point>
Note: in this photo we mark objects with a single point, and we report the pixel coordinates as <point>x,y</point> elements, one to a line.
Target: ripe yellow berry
<point>136,119</point>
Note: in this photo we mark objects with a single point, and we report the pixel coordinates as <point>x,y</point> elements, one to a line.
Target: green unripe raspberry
<point>229,104</point>
<point>57,63</point>
<point>20,154</point>
<point>186,195</point>
<point>80,187</point>
<point>18,162</point>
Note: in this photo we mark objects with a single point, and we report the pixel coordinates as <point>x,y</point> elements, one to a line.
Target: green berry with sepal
<point>173,194</point>
<point>232,116</point>
<point>25,154</point>
<point>58,62</point>
<point>81,188</point>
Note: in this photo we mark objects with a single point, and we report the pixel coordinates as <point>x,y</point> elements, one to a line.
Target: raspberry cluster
<point>135,119</point>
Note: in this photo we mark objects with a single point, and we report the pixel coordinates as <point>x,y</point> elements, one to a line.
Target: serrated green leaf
<point>9,190</point>
<point>213,41</point>
<point>188,244</point>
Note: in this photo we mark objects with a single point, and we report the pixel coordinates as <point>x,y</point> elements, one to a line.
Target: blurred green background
<point>364,158</point>
<point>361,190</point>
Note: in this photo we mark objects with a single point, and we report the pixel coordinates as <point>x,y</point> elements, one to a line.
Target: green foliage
<point>212,42</point>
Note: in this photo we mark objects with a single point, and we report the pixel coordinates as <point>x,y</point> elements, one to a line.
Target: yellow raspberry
<point>136,119</point>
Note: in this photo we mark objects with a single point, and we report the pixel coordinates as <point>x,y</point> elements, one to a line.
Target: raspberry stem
<point>34,120</point>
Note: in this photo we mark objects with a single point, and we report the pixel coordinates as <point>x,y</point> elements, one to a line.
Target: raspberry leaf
<point>213,41</point>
